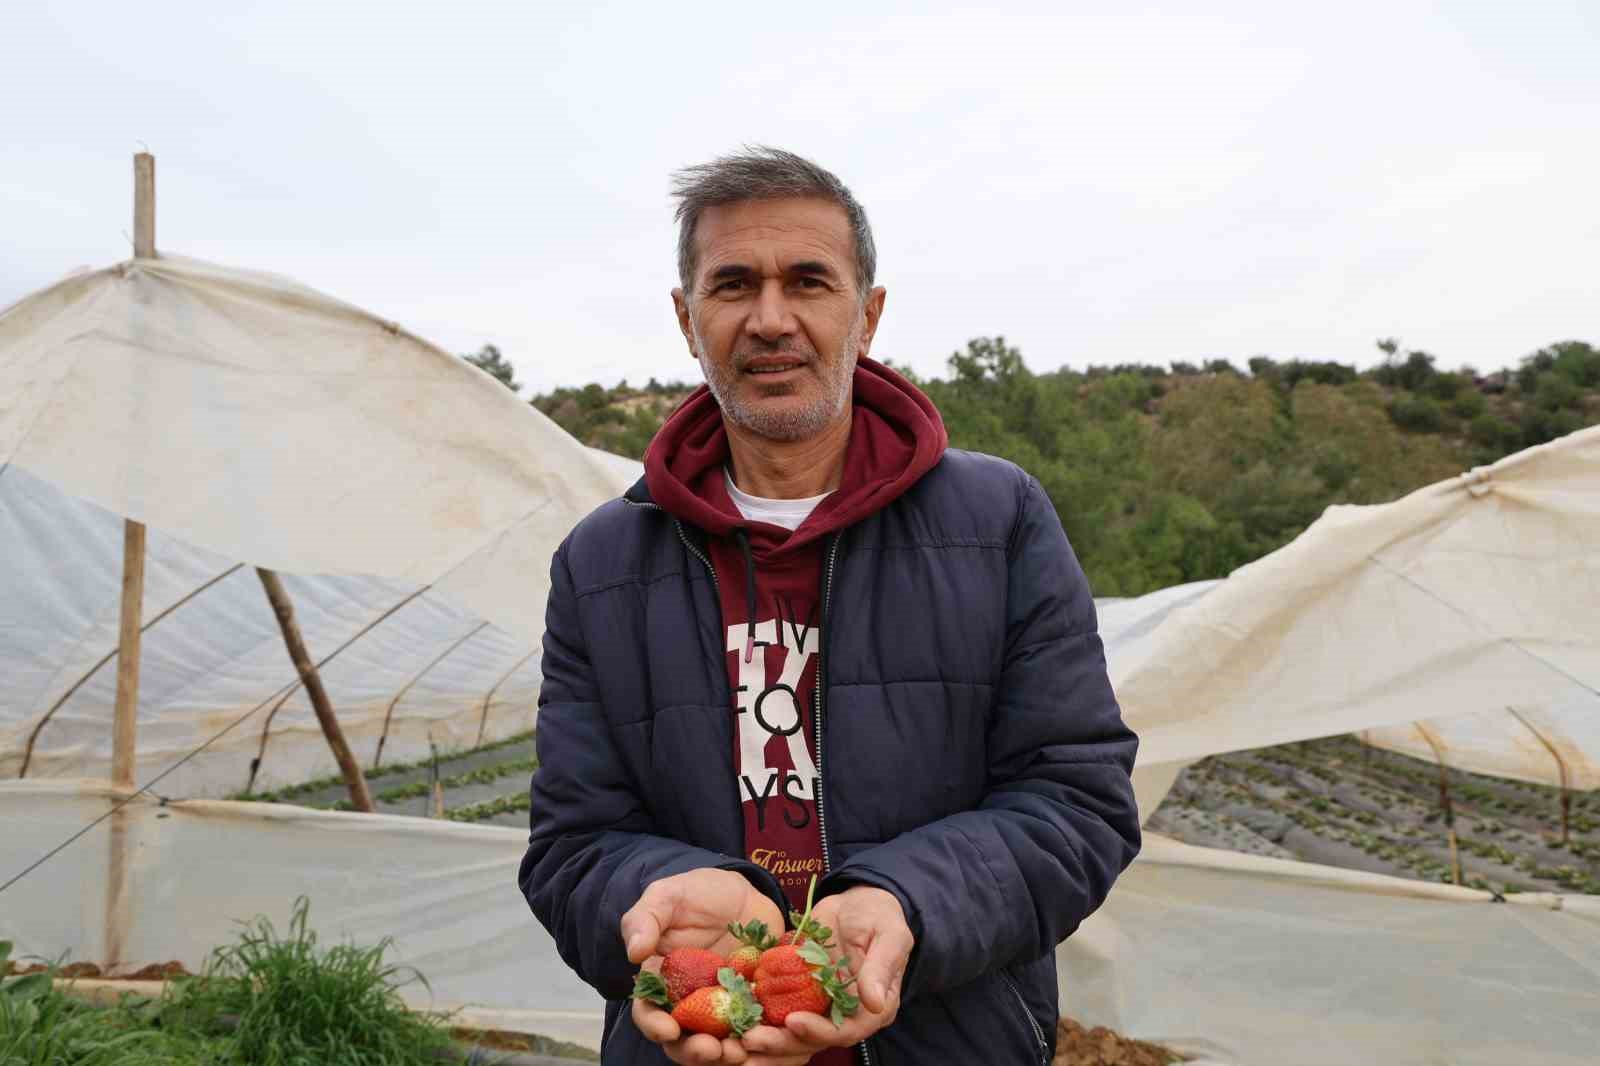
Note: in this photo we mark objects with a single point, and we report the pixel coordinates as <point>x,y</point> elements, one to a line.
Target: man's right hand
<point>691,910</point>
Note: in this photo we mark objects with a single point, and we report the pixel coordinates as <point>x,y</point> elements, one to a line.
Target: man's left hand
<point>870,929</point>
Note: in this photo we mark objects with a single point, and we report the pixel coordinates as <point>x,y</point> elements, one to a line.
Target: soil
<point>156,971</point>
<point>1340,803</point>
<point>1077,1046</point>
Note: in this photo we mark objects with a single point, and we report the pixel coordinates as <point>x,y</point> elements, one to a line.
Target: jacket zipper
<point>816,725</point>
<point>1033,1023</point>
<point>687,543</point>
<point>822,698</point>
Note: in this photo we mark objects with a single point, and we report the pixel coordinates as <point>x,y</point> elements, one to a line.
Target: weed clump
<point>290,1002</point>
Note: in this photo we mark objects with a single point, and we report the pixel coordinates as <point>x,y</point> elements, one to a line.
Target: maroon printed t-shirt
<point>772,671</point>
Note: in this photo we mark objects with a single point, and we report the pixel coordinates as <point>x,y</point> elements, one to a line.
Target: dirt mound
<point>1077,1046</point>
<point>156,971</point>
<point>71,969</point>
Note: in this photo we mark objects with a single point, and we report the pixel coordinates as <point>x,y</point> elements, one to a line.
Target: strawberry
<point>718,1010</point>
<point>753,940</point>
<point>799,974</point>
<point>794,978</point>
<point>688,969</point>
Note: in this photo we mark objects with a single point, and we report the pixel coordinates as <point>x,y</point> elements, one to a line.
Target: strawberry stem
<point>651,988</point>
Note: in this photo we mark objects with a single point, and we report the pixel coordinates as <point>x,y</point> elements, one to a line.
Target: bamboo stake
<point>1444,801</point>
<point>124,726</point>
<point>124,732</point>
<point>1450,823</point>
<point>354,779</point>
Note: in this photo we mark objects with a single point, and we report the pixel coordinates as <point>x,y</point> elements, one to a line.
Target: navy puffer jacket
<point>974,762</point>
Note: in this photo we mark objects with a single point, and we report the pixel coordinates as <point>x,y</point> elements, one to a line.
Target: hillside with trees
<point>1166,475</point>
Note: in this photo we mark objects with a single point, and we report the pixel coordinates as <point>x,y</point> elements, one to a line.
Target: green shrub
<point>1419,414</point>
<point>1469,404</point>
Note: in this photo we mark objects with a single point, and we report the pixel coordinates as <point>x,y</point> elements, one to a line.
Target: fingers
<point>644,921</point>
<point>697,1050</point>
<point>771,1042</point>
<point>820,1032</point>
<point>783,1060</point>
<point>654,1023</point>
<point>771,1046</point>
<point>881,972</point>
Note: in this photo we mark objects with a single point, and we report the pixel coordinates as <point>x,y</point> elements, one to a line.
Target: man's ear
<point>680,306</point>
<point>874,313</point>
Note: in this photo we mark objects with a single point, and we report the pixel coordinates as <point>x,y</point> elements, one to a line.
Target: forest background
<point>1163,475</point>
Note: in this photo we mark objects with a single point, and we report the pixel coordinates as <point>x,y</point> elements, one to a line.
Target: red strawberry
<point>688,969</point>
<point>803,978</point>
<point>781,961</point>
<point>721,1009</point>
<point>753,940</point>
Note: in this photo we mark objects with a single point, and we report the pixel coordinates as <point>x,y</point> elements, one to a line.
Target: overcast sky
<point>1097,182</point>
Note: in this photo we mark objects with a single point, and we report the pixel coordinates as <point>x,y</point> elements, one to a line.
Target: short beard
<point>837,375</point>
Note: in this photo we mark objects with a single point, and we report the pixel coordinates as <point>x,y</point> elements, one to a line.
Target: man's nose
<point>770,318</point>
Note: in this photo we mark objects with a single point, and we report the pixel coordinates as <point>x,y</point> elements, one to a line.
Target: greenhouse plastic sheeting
<point>428,671</point>
<point>250,421</point>
<point>266,422</point>
<point>1250,961</point>
<point>270,424</point>
<point>1468,607</point>
<point>445,891</point>
<point>1239,959</point>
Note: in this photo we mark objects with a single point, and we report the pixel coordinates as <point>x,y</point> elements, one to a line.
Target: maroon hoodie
<point>769,582</point>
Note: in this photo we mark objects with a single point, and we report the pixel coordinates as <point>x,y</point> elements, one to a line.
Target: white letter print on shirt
<point>769,711</point>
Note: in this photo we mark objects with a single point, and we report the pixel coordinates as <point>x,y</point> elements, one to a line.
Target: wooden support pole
<point>124,732</point>
<point>124,725</point>
<point>144,206</point>
<point>1450,823</point>
<point>354,779</point>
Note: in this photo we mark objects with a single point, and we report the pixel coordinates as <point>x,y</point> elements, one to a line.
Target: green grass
<point>40,1026</point>
<point>268,999</point>
<point>289,1001</point>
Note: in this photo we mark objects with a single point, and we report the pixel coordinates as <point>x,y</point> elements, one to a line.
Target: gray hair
<point>763,173</point>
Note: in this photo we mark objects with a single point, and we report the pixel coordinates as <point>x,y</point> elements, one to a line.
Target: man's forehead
<point>754,227</point>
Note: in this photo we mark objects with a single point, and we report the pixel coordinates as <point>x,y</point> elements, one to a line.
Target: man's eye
<point>812,283</point>
<point>728,286</point>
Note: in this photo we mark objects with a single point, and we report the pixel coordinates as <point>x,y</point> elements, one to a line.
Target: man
<point>815,641</point>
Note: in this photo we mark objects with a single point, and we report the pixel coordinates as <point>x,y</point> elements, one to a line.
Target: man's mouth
<point>772,366</point>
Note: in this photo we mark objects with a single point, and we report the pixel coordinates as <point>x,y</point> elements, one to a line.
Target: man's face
<point>774,316</point>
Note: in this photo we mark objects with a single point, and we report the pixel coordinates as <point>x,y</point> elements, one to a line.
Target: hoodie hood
<point>896,436</point>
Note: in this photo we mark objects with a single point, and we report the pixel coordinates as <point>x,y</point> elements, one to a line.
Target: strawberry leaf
<point>743,1012</point>
<point>652,989</point>
<point>844,1002</point>
<point>814,953</point>
<point>754,934</point>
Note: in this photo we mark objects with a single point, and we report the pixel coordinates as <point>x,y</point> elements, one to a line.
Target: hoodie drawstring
<point>749,592</point>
